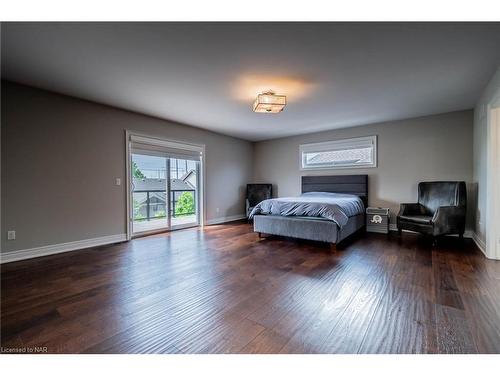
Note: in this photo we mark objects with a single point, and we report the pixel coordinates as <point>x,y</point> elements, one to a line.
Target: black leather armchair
<point>440,209</point>
<point>256,193</point>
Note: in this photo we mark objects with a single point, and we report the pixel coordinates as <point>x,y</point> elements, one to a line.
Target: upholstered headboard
<point>348,184</point>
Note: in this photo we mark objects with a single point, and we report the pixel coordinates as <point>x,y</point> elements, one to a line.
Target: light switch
<point>118,181</point>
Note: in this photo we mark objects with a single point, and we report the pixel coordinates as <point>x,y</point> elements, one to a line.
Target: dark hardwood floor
<point>222,290</point>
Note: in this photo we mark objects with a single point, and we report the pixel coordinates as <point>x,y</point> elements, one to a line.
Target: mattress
<point>329,206</point>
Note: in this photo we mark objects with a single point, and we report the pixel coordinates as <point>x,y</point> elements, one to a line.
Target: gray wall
<point>65,153</point>
<point>490,94</point>
<point>421,149</point>
<point>60,158</point>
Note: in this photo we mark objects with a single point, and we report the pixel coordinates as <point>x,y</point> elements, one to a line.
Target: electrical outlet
<point>217,210</point>
<point>11,235</point>
<point>118,181</point>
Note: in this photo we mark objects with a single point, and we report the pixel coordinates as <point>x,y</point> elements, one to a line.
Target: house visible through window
<point>345,153</point>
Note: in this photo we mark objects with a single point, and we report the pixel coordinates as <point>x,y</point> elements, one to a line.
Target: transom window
<point>345,153</point>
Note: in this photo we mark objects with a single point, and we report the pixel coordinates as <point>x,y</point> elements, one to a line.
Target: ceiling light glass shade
<point>269,102</point>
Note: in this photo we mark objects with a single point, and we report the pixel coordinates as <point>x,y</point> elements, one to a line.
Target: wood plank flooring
<point>222,290</point>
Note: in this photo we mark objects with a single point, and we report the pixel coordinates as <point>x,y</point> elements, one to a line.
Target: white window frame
<point>340,144</point>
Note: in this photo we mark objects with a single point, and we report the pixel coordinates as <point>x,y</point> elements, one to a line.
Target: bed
<point>327,224</point>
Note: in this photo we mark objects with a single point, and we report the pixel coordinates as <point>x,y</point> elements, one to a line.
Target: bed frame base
<point>313,229</point>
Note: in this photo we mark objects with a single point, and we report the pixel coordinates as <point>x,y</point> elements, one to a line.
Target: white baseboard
<point>225,219</point>
<point>480,244</point>
<point>13,256</point>
<point>467,234</point>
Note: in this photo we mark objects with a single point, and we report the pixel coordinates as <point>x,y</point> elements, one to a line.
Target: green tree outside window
<point>185,205</point>
<point>136,172</point>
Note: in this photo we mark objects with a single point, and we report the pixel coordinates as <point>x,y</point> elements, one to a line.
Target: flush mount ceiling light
<point>269,102</point>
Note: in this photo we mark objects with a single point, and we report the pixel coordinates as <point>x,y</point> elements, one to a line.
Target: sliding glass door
<point>165,188</point>
<point>183,192</point>
<point>149,193</point>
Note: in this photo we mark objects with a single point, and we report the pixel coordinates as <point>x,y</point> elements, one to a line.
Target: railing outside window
<point>151,204</point>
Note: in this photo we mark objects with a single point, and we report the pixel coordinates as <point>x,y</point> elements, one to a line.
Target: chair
<point>440,209</point>
<point>256,193</point>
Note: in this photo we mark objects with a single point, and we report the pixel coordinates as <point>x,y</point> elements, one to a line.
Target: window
<point>345,153</point>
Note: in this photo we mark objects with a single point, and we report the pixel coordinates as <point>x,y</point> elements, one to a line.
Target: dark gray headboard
<point>350,184</point>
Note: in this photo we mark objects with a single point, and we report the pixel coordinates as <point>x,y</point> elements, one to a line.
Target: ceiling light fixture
<point>269,102</point>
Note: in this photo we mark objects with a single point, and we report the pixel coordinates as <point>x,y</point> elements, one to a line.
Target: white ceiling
<point>207,74</point>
